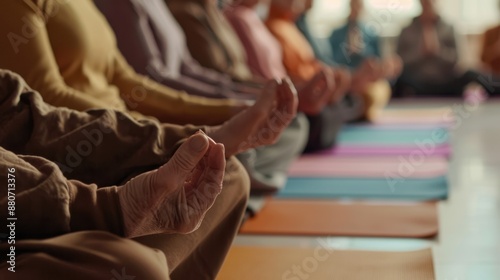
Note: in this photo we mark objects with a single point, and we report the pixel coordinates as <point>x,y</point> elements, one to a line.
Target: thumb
<point>186,157</point>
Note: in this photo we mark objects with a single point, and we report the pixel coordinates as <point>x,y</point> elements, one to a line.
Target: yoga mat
<point>324,217</point>
<point>416,116</point>
<point>383,136</point>
<point>323,263</point>
<point>390,188</point>
<point>367,166</point>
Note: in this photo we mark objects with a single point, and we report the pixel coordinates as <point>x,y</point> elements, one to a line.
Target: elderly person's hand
<point>261,124</point>
<point>175,197</point>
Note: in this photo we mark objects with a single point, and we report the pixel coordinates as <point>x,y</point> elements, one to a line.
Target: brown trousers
<point>108,148</point>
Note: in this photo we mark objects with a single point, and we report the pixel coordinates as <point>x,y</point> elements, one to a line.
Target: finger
<point>210,185</point>
<point>214,172</point>
<point>186,158</point>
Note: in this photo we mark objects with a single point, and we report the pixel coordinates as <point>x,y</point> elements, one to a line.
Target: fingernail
<point>198,143</point>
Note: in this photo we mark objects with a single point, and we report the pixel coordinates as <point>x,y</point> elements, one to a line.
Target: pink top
<point>264,52</point>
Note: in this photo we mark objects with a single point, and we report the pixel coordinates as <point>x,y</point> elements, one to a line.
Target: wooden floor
<point>468,244</point>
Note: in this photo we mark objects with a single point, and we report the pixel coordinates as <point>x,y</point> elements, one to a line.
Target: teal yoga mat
<point>376,135</point>
<point>326,188</point>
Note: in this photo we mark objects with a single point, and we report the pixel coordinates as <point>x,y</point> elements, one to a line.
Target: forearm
<point>46,204</point>
<point>167,105</point>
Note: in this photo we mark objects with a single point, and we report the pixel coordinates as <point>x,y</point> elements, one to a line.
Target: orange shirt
<point>298,55</point>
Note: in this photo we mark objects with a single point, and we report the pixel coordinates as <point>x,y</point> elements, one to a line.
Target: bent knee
<point>90,255</point>
<point>236,180</point>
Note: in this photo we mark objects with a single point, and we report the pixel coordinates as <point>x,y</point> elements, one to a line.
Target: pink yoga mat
<point>351,149</point>
<point>368,166</point>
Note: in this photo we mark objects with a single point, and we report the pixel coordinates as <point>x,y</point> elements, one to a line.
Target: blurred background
<point>387,17</point>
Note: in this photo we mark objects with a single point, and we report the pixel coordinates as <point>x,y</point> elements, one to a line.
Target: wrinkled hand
<point>260,124</point>
<point>175,197</point>
<point>318,92</point>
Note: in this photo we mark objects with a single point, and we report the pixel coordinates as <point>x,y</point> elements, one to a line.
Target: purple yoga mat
<point>440,150</point>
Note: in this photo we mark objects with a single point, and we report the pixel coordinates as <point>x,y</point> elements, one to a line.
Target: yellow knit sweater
<point>66,50</point>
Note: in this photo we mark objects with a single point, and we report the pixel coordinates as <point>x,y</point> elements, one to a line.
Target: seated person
<point>88,236</point>
<point>429,52</point>
<point>355,47</point>
<point>107,148</point>
<point>91,73</point>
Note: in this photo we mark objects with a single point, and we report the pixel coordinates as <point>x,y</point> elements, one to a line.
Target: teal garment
<point>382,188</point>
<point>339,45</point>
<point>320,47</point>
<point>362,135</point>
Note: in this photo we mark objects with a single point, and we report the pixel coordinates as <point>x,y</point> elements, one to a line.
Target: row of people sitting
<point>123,92</point>
<point>96,123</point>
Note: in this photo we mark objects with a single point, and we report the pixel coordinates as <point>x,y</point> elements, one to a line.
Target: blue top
<point>340,47</point>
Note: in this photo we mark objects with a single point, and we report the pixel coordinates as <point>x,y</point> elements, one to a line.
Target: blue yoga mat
<point>409,189</point>
<point>375,135</point>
